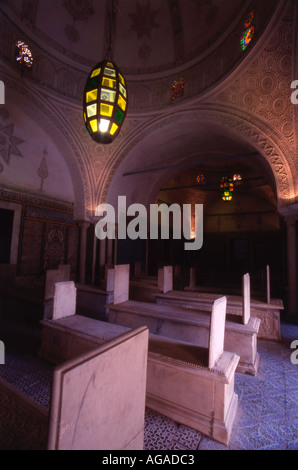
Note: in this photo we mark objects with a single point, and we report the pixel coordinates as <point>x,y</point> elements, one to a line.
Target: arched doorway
<point>163,164</point>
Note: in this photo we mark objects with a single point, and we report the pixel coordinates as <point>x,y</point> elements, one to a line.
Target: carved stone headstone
<point>121,283</point>
<point>167,279</point>
<point>217,330</point>
<point>64,300</point>
<point>110,280</point>
<point>245,299</point>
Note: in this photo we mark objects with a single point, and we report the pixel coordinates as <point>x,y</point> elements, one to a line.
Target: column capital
<point>289,213</point>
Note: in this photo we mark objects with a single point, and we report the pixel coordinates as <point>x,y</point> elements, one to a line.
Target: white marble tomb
<point>191,325</point>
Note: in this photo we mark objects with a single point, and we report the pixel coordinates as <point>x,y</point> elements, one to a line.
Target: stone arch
<point>258,135</point>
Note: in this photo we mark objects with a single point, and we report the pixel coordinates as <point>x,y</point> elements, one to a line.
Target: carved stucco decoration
<point>253,116</point>
<point>255,104</point>
<point>264,88</point>
<point>78,10</point>
<point>262,94</point>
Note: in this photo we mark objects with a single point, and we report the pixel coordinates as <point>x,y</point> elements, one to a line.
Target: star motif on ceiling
<point>9,143</point>
<point>143,20</point>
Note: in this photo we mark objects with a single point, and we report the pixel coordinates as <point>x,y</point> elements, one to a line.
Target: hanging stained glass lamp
<point>105,97</point>
<point>226,188</point>
<point>105,102</point>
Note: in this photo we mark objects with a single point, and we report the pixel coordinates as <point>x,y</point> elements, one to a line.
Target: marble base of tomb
<point>179,380</point>
<point>143,290</point>
<point>191,326</point>
<point>64,338</point>
<point>181,386</point>
<point>268,313</point>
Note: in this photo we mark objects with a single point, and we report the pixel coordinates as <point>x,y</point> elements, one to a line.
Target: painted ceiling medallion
<point>80,10</point>
<point>71,33</point>
<point>143,20</point>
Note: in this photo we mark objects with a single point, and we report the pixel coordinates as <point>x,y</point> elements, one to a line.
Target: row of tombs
<point>135,342</point>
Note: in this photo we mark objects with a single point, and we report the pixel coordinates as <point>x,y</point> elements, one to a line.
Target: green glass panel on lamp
<point>119,116</point>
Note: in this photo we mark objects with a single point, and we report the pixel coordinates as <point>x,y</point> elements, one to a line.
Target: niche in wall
<point>10,221</point>
<point>6,224</point>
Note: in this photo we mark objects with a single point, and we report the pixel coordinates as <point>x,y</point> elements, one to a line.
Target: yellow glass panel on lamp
<point>113,129</point>
<point>93,125</point>
<point>122,90</point>
<point>109,72</point>
<point>106,110</point>
<point>109,64</point>
<point>109,82</point>
<point>85,117</point>
<point>121,103</point>
<point>121,79</point>
<point>91,96</point>
<point>92,110</point>
<point>104,125</point>
<point>95,72</point>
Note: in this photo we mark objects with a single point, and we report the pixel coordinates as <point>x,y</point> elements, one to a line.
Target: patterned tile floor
<point>267,416</point>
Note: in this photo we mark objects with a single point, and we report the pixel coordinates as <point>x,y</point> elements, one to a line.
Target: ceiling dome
<point>197,40</point>
<point>147,36</point>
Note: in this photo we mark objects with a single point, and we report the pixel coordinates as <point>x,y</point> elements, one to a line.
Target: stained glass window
<point>237,179</point>
<point>226,188</point>
<point>248,31</point>
<point>201,178</point>
<point>23,55</point>
<point>177,89</point>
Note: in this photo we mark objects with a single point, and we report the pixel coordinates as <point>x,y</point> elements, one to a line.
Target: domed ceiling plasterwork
<point>147,35</point>
<point>62,66</point>
<point>153,42</point>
